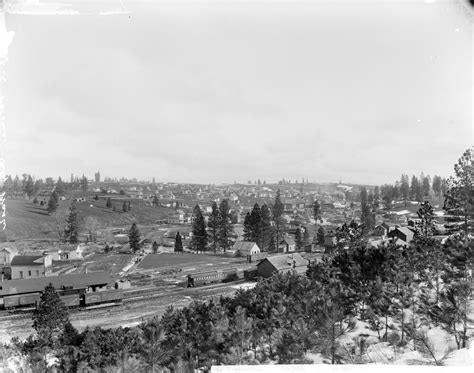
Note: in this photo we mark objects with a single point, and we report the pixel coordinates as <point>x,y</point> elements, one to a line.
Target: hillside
<point>26,220</point>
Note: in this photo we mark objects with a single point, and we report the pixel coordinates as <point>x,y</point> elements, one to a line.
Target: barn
<point>282,264</point>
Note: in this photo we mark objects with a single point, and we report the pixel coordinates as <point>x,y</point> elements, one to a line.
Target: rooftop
<point>78,281</point>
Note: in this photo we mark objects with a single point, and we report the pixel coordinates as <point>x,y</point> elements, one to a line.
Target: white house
<point>243,248</point>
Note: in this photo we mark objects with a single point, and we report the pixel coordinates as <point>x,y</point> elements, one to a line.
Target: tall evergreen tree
<point>436,185</point>
<point>156,203</point>
<point>266,228</point>
<point>108,203</point>
<point>248,227</point>
<point>84,184</point>
<point>71,232</point>
<point>29,186</point>
<point>60,187</point>
<point>134,238</point>
<point>213,225</point>
<point>178,243</point>
<point>277,218</point>
<point>199,238</point>
<point>226,231</point>
<point>124,206</point>
<point>367,217</point>
<point>256,224</point>
<point>51,315</point>
<point>405,188</point>
<point>426,186</point>
<point>53,202</point>
<point>459,198</point>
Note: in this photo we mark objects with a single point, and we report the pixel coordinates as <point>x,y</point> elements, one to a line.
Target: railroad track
<point>141,295</point>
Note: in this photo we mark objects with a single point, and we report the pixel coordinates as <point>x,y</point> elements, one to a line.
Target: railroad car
<point>20,300</point>
<point>208,277</point>
<point>99,297</point>
<point>26,293</point>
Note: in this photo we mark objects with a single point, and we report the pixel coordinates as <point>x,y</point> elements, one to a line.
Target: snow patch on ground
<point>246,286</point>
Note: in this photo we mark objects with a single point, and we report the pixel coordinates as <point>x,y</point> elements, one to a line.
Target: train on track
<point>79,290</point>
<point>208,277</point>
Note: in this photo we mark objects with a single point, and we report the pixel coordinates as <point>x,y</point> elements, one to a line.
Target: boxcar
<point>11,301</point>
<point>106,296</point>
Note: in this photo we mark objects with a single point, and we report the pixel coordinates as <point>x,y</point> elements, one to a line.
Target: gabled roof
<point>243,246</point>
<point>31,285</point>
<point>11,250</point>
<point>288,240</point>
<point>284,262</point>
<point>27,260</point>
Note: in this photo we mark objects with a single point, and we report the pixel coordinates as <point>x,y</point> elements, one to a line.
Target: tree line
<point>416,189</point>
<point>31,187</point>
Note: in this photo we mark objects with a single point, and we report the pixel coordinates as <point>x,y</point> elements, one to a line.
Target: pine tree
<point>53,202</point>
<point>226,231</point>
<point>51,315</point>
<point>124,206</point>
<point>178,243</point>
<point>213,225</point>
<point>108,203</point>
<point>199,238</point>
<point>134,238</point>
<point>367,217</point>
<point>266,228</point>
<point>405,188</point>
<point>71,232</point>
<point>426,186</point>
<point>84,184</point>
<point>156,203</point>
<point>155,247</point>
<point>317,211</point>
<point>29,186</point>
<point>277,218</point>
<point>256,225</point>
<point>459,198</point>
<point>59,187</point>
<point>248,227</point>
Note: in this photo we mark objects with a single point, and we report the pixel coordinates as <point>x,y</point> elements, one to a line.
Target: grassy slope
<point>27,221</point>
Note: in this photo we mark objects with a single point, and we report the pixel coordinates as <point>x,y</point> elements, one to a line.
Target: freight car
<point>208,277</point>
<point>101,297</point>
<point>74,290</point>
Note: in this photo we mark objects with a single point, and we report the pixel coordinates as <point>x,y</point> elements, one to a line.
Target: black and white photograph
<point>214,186</point>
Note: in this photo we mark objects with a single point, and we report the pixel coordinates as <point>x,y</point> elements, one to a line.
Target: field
<point>187,262</point>
<point>26,220</point>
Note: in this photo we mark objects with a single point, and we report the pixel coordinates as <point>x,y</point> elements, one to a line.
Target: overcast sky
<point>215,92</point>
